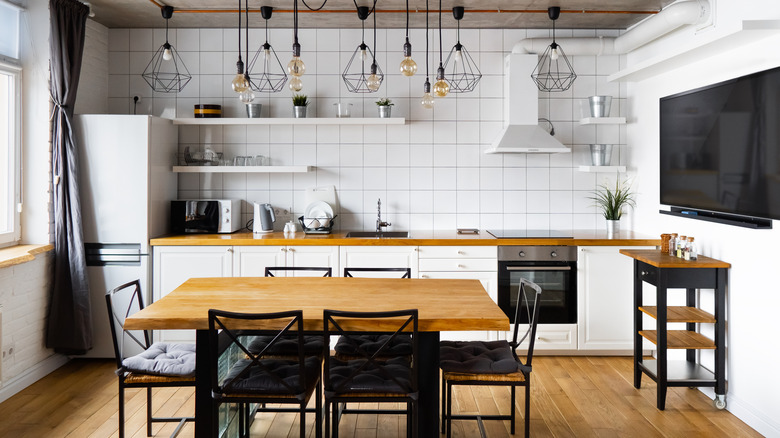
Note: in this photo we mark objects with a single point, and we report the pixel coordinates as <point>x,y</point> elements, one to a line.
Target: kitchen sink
<point>385,234</point>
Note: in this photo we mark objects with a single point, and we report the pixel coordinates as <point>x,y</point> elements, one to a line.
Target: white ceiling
<point>523,14</point>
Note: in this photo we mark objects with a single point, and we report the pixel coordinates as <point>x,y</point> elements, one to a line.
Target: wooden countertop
<point>416,238</point>
<point>662,260</point>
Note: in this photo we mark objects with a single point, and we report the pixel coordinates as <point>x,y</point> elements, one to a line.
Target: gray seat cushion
<point>400,345</point>
<point>164,359</point>
<point>371,379</point>
<point>258,381</point>
<point>477,357</point>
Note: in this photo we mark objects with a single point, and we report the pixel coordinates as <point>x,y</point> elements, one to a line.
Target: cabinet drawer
<point>457,265</point>
<point>551,337</point>
<point>458,252</point>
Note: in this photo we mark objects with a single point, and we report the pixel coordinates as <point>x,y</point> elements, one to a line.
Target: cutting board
<point>324,193</point>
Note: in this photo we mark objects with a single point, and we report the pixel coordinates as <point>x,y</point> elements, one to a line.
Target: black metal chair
<point>269,271</point>
<point>367,378</point>
<point>407,271</point>
<point>255,378</point>
<point>492,363</point>
<point>156,365</point>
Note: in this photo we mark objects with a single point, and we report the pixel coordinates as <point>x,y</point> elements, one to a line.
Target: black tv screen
<point>720,147</point>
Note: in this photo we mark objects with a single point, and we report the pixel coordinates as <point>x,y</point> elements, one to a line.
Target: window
<point>10,154</point>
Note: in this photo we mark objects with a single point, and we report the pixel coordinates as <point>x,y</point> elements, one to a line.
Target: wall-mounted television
<point>720,151</point>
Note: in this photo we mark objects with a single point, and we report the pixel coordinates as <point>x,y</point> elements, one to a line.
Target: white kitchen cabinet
<point>551,338</point>
<point>251,261</point>
<point>378,257</point>
<point>173,265</point>
<point>605,299</point>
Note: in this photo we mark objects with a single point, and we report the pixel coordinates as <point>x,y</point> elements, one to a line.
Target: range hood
<point>522,134</point>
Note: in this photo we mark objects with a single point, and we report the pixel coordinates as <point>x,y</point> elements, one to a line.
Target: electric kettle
<point>264,218</point>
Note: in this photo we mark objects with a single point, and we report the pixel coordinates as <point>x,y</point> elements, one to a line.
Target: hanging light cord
<point>440,62</point>
<point>295,20</point>
<point>239,30</point>
<point>373,54</point>
<point>407,19</point>
<point>246,34</point>
<point>427,76</point>
<point>314,9</point>
<point>166,30</point>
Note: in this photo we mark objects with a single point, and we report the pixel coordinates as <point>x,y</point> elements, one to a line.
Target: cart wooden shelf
<point>667,272</point>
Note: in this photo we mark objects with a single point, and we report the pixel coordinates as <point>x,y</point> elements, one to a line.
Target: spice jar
<point>673,244</point>
<point>680,245</point>
<point>665,242</point>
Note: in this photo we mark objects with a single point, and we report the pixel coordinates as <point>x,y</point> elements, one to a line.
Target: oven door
<point>559,290</point>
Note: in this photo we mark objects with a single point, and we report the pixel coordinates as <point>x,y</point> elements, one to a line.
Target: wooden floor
<point>571,397</point>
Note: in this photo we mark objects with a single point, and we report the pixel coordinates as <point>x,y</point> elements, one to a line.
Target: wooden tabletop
<point>443,305</point>
<point>661,259</point>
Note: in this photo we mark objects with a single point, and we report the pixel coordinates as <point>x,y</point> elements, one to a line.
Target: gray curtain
<point>69,328</point>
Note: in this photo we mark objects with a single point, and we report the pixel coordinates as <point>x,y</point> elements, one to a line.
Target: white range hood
<point>522,134</point>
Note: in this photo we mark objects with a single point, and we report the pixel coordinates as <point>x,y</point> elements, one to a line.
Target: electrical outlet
<point>283,215</point>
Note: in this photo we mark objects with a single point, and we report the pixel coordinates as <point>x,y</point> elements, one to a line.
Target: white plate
<point>318,209</point>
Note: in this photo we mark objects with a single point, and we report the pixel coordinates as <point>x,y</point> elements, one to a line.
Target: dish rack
<point>207,158</point>
<point>321,229</point>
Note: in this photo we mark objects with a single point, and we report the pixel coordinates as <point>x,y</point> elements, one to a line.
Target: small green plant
<point>300,100</point>
<point>384,102</point>
<point>611,202</point>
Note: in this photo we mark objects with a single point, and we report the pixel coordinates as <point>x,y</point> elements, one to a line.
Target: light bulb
<point>554,53</point>
<point>427,101</point>
<point>266,54</point>
<point>296,67</point>
<point>240,84</point>
<point>363,54</point>
<point>373,82</point>
<point>295,84</point>
<point>167,55</point>
<point>408,66</point>
<point>247,96</point>
<point>458,55</point>
<point>441,88</point>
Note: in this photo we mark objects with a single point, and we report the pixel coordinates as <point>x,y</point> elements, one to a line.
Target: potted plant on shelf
<point>385,106</point>
<point>612,201</point>
<point>300,101</point>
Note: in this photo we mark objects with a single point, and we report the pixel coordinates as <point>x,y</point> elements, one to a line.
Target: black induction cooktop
<point>528,234</point>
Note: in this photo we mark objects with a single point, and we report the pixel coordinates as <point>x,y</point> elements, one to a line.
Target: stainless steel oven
<point>553,268</point>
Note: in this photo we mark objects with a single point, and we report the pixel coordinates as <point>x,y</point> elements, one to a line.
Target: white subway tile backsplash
<point>467,178</point>
<point>421,178</point>
<point>444,178</point>
<point>538,178</point>
<point>490,178</point>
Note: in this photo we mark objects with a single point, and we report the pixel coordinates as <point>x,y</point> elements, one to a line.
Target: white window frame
<point>14,171</point>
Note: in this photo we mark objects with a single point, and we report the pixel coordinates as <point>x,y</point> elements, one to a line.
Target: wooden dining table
<point>443,305</point>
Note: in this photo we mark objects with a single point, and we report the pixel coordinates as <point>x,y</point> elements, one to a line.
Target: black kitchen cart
<point>667,272</point>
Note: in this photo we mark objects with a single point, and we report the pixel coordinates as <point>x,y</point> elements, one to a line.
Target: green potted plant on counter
<point>385,106</point>
<point>300,101</point>
<point>611,202</point>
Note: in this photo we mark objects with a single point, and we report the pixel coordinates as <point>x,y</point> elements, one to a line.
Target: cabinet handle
<point>461,253</point>
<point>230,250</point>
<point>284,249</point>
<point>423,276</point>
<point>416,250</point>
<point>291,249</point>
<point>461,267</point>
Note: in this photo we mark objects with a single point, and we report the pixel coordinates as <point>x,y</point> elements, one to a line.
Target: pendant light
<point>272,77</point>
<point>296,67</point>
<point>248,95</point>
<point>553,72</point>
<point>166,72</point>
<point>427,98</point>
<point>355,76</point>
<point>464,75</point>
<point>239,83</point>
<point>408,66</point>
<point>441,88</point>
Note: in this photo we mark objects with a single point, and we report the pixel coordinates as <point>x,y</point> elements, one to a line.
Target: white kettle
<point>264,218</point>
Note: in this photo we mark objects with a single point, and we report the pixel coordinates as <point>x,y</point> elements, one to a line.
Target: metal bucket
<point>253,110</point>
<point>299,112</point>
<point>600,105</point>
<point>385,111</point>
<point>600,154</point>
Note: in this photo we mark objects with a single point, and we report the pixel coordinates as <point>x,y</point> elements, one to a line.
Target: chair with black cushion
<point>271,271</point>
<point>366,378</point>
<point>141,363</point>
<point>243,377</point>
<point>493,363</point>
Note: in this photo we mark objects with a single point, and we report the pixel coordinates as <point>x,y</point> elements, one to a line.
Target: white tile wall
<point>430,173</point>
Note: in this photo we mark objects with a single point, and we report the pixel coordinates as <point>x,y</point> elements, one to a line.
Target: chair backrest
<point>269,271</point>
<point>407,272</point>
<point>397,323</point>
<point>532,308</point>
<point>228,345</point>
<point>121,302</point>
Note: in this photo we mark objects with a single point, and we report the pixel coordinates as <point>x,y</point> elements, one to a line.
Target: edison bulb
<point>247,96</point>
<point>554,53</point>
<point>167,55</point>
<point>295,84</point>
<point>408,66</point>
<point>373,82</point>
<point>427,101</point>
<point>296,67</point>
<point>240,83</point>
<point>441,88</point>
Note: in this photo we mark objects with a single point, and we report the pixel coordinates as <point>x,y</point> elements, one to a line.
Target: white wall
<point>753,297</point>
<point>93,83</point>
<point>430,173</point>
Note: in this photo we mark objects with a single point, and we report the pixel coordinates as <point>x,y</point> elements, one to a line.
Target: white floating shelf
<point>619,169</point>
<point>603,121</point>
<point>750,31</point>
<point>241,169</point>
<point>292,121</point>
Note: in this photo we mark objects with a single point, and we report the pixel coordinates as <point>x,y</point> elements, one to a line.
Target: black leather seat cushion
<point>400,345</point>
<point>477,357</point>
<point>371,379</point>
<point>257,381</point>
<point>287,345</point>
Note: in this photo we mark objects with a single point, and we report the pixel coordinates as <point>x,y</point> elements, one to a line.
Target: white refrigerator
<point>126,185</point>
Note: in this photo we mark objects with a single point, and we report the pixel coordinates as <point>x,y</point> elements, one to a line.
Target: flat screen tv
<point>720,149</point>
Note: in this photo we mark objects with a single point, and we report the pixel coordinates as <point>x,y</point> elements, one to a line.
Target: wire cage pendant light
<point>271,76</point>
<point>460,70</point>
<point>554,71</point>
<point>356,77</point>
<point>166,72</point>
